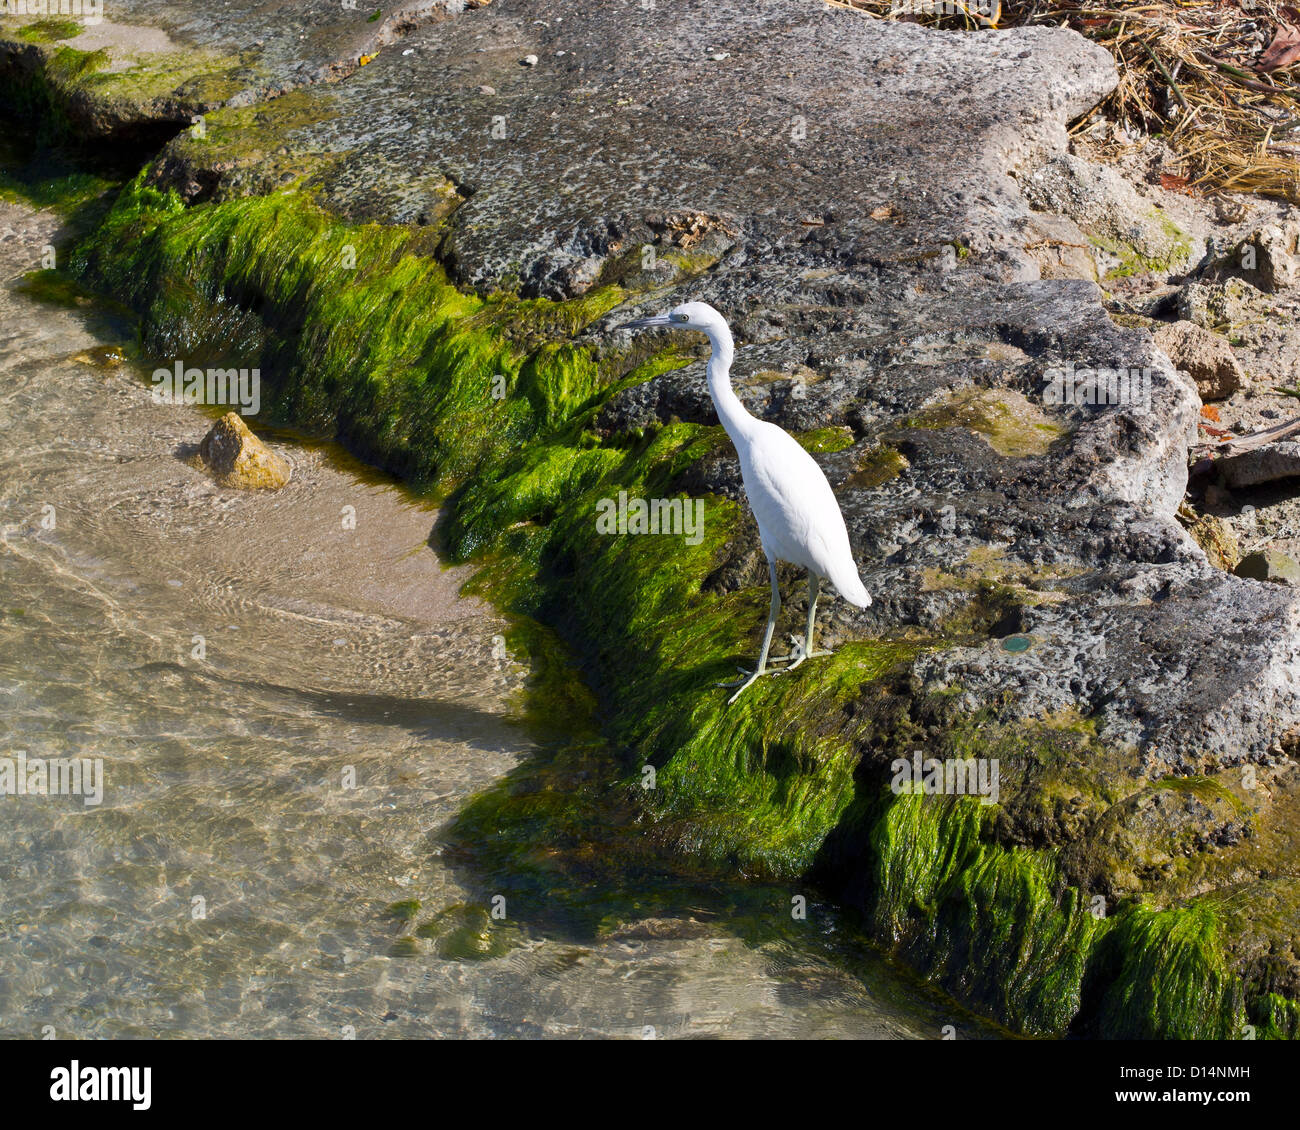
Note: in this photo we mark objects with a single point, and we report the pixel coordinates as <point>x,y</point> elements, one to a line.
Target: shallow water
<point>289,714</point>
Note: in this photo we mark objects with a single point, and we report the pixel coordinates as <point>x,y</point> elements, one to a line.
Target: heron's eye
<point>679,317</point>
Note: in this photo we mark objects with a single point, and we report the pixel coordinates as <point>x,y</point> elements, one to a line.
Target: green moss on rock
<point>489,401</point>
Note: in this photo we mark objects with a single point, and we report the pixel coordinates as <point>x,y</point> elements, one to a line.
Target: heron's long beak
<point>646,323</point>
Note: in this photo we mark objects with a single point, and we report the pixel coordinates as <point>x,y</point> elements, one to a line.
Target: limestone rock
<point>1262,465</point>
<point>1278,255</point>
<point>1270,564</point>
<point>1059,248</point>
<point>1130,235</point>
<point>1268,258</point>
<point>1217,304</point>
<point>1213,535</point>
<point>235,457</point>
<point>1204,356</point>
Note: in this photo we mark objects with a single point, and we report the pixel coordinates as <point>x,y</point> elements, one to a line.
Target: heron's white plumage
<point>798,517</point>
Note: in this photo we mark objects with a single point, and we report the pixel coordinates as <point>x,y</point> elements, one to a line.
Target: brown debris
<point>1212,76</point>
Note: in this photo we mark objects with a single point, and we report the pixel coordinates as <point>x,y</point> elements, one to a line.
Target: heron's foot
<point>797,654</point>
<point>742,685</point>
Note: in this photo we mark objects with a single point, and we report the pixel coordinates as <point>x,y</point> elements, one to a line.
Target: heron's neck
<point>730,411</point>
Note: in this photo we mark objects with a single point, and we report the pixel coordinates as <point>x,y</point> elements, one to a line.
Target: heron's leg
<point>799,654</point>
<point>774,610</point>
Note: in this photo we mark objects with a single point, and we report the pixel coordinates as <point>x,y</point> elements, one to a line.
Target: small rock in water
<point>237,458</point>
<point>529,60</point>
<point>102,356</point>
<point>487,89</point>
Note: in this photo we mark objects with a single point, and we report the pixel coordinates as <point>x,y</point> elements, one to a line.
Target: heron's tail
<point>851,588</point>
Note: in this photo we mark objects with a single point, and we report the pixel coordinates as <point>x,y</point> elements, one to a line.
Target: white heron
<point>799,520</point>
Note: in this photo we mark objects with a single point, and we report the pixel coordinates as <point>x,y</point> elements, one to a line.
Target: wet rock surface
<point>854,196</point>
<point>236,458</point>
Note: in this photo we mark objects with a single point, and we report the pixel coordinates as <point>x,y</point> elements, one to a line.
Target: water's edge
<point>230,884</point>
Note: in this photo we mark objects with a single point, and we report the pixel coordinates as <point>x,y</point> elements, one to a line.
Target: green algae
<point>385,353</point>
<point>1012,424</point>
<point>469,933</point>
<point>983,920</point>
<point>1206,789</point>
<point>1276,1017</point>
<point>66,193</point>
<point>405,910</point>
<point>196,77</point>
<point>1134,262</point>
<point>365,335</point>
<point>247,143</point>
<point>759,785</point>
<point>1160,974</point>
<point>825,441</point>
<point>126,94</point>
<point>54,288</point>
<point>48,31</point>
<point>877,466</point>
<point>67,65</point>
<point>1000,925</point>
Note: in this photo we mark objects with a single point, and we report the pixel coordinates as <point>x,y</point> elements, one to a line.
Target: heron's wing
<point>793,503</point>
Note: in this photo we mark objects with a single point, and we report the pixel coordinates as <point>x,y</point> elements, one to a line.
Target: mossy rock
<point>1012,424</point>
<point>1213,535</point>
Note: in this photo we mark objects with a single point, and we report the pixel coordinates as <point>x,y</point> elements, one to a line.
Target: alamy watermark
<point>1068,385</point>
<point>231,388</point>
<point>624,515</point>
<point>75,1083</point>
<point>950,776</point>
<point>21,775</point>
<point>986,8</point>
<point>89,12</point>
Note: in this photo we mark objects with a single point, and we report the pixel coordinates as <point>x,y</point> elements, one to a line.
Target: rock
<point>1278,255</point>
<point>1207,358</point>
<point>191,68</point>
<point>1213,535</point>
<point>1129,235</point>
<point>1269,257</point>
<point>1059,248</point>
<point>1216,305</point>
<point>1270,564</point>
<point>237,458</point>
<point>1262,465</point>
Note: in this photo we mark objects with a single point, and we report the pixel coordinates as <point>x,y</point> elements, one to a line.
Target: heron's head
<point>688,316</point>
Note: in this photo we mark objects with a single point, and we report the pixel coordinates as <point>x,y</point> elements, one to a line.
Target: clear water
<point>267,802</point>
